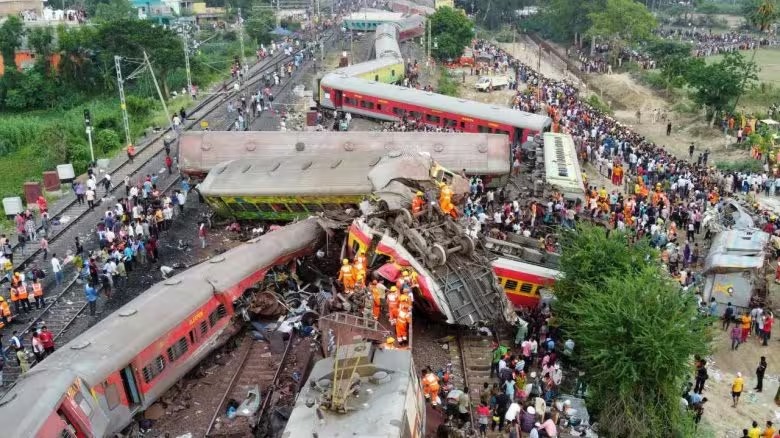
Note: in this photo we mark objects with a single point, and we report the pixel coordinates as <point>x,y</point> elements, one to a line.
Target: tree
<point>622,23</point>
<point>673,58</point>
<point>41,39</point>
<point>115,10</point>
<point>761,14</point>
<point>451,31</point>
<point>129,39</point>
<point>569,19</point>
<point>11,32</point>
<point>717,85</point>
<point>258,27</point>
<point>634,329</point>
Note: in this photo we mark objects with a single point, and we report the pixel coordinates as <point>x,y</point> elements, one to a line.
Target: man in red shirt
<point>769,319</point>
<point>168,163</point>
<point>47,339</point>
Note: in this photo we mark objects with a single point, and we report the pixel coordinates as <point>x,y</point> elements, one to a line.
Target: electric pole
<point>241,38</point>
<point>187,62</point>
<point>122,103</point>
<point>159,93</point>
<point>428,43</point>
<point>88,126</point>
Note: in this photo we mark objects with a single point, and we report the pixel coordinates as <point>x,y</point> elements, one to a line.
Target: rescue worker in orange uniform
<point>347,276</point>
<point>418,203</point>
<point>360,280</point>
<point>402,325</point>
<point>22,301</point>
<point>360,260</point>
<point>405,301</point>
<point>5,311</point>
<point>376,295</point>
<point>431,387</point>
<point>445,200</point>
<point>37,289</point>
<point>392,304</point>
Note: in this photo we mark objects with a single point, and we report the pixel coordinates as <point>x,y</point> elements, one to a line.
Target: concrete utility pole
<point>241,38</point>
<point>159,93</point>
<point>122,103</point>
<point>187,62</point>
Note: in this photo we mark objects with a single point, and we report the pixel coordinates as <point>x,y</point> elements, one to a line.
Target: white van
<point>496,82</point>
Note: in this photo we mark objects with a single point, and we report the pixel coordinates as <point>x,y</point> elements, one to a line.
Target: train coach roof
<point>338,174</point>
<point>439,102</point>
<point>369,15</point>
<point>482,154</point>
<point>370,66</point>
<point>115,341</point>
<point>379,412</point>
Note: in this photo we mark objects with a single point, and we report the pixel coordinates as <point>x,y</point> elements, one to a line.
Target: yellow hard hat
<point>345,262</point>
<point>362,251</point>
<point>419,193</point>
<point>405,273</point>
<point>393,289</point>
<point>2,299</point>
<point>390,340</point>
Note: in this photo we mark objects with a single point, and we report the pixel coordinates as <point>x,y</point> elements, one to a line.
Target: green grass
<point>768,61</point>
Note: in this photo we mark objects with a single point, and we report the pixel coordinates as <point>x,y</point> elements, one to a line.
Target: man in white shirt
<point>56,268</point>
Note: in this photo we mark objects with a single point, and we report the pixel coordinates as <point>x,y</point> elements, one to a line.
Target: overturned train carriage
<point>455,280</point>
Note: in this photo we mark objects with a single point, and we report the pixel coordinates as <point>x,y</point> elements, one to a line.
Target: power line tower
<point>122,103</point>
<point>187,60</point>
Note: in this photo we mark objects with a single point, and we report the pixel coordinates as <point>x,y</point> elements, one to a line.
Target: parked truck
<point>486,83</point>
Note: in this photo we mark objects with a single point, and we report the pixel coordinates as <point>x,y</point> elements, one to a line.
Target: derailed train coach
<point>95,384</point>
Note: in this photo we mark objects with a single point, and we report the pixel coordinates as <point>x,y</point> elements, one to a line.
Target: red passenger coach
<point>393,103</point>
<point>95,384</point>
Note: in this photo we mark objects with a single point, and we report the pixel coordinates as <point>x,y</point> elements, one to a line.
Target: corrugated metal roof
<point>440,102</point>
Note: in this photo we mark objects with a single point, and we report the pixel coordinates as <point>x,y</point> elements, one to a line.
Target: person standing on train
<point>92,296</point>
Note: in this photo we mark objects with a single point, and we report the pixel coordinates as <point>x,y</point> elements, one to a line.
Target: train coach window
<point>280,208</point>
<point>432,119</point>
<point>264,208</point>
<point>462,125</point>
<point>112,395</point>
<point>350,101</point>
<point>331,207</point>
<point>392,73</point>
<point>177,350</point>
<point>204,327</point>
<point>366,104</point>
<point>526,288</point>
<point>154,369</point>
<point>376,78</point>
<point>510,284</point>
<point>217,314</point>
<point>415,115</point>
<point>484,129</point>
<point>296,207</point>
<point>400,112</point>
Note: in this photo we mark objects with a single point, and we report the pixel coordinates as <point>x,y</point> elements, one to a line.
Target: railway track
<point>257,367</point>
<point>65,306</point>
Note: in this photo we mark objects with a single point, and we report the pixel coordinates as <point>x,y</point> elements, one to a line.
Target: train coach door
<point>131,388</point>
<point>337,98</point>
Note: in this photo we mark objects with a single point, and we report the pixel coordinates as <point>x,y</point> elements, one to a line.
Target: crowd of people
<point>127,236</point>
<point>702,44</point>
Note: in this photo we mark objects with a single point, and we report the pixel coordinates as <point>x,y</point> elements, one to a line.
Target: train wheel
<point>467,245</point>
<point>438,255</point>
<point>404,217</point>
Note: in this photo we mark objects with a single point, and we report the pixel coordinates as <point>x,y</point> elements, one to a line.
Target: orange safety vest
<point>392,300</point>
<point>21,291</point>
<point>14,294</point>
<point>5,309</point>
<point>37,290</point>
